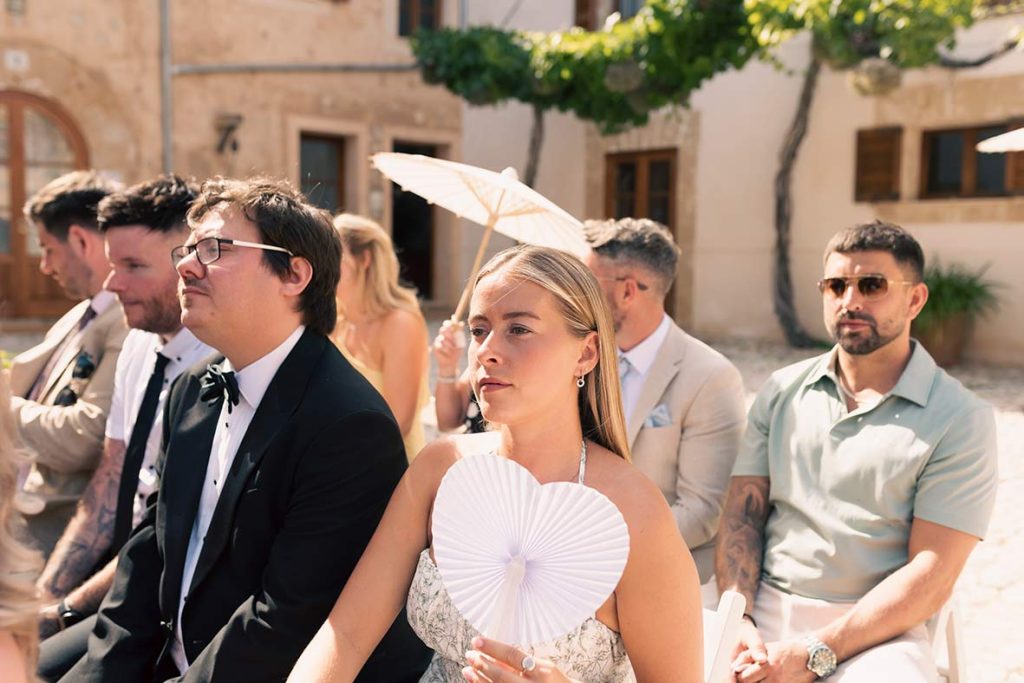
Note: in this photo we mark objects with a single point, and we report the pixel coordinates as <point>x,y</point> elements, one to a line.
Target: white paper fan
<point>525,563</point>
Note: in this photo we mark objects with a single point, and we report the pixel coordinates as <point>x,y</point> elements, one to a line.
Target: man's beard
<point>866,341</point>
<point>162,317</point>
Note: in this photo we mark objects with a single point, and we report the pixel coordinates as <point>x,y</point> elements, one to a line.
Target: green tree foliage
<point>614,77</point>
<point>907,33</point>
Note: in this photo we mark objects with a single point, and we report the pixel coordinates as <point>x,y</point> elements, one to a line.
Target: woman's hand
<point>494,662</point>
<point>448,346</point>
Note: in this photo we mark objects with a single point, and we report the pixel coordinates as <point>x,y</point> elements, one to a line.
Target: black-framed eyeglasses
<point>208,249</point>
<point>639,285</point>
<point>869,286</point>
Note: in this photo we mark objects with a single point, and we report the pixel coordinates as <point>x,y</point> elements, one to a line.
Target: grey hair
<point>636,241</point>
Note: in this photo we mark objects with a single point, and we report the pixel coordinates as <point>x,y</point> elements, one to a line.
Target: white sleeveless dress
<point>592,653</point>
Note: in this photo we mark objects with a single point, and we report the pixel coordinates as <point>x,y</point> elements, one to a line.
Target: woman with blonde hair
<point>542,361</point>
<point>380,329</point>
<point>19,608</point>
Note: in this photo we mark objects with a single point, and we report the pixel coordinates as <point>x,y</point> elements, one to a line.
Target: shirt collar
<point>180,345</point>
<point>915,384</point>
<point>643,355</point>
<point>102,301</point>
<point>254,378</point>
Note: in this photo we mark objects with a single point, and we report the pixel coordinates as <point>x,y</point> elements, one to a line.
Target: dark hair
<point>880,236</point>
<point>284,219</point>
<point>639,241</point>
<point>69,200</point>
<point>160,204</point>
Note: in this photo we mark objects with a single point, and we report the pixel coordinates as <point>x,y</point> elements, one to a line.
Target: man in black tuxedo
<point>278,462</point>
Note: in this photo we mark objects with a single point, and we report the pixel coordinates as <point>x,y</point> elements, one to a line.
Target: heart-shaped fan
<point>525,563</point>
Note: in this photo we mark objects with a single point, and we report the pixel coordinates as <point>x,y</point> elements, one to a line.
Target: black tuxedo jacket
<point>304,494</point>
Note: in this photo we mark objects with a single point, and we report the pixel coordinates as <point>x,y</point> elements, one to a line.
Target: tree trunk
<point>533,151</point>
<point>785,310</point>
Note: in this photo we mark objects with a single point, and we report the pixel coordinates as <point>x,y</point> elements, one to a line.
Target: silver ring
<point>528,664</point>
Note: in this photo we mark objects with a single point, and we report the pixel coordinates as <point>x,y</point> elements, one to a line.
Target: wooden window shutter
<point>586,15</point>
<point>1015,172</point>
<point>878,164</point>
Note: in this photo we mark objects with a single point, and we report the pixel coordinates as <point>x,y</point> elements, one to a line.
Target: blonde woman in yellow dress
<point>19,566</point>
<point>381,330</point>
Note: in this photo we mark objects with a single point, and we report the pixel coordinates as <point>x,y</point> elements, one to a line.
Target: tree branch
<point>950,62</point>
<point>785,309</point>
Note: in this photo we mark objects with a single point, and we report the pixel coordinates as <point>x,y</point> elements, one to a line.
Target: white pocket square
<point>659,417</point>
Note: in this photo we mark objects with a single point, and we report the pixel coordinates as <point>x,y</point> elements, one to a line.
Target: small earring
<point>580,381</point>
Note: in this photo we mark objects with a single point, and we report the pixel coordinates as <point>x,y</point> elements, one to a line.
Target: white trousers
<point>906,659</point>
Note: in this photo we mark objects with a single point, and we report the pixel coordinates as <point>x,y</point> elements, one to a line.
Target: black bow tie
<point>217,383</point>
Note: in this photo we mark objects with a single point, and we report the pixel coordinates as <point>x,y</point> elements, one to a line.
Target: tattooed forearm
<point>740,549</point>
<point>91,529</point>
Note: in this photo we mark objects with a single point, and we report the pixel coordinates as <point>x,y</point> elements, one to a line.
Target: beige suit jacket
<point>691,457</point>
<point>65,442</point>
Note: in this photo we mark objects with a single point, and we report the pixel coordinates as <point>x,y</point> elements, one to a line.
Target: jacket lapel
<point>27,366</point>
<point>183,478</point>
<point>282,398</point>
<point>666,366</point>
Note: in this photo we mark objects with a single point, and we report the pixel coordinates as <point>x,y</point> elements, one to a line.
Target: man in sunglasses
<point>866,477</point>
<point>277,462</point>
<point>682,399</point>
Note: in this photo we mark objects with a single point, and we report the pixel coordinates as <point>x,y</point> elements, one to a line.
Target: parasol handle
<point>460,310</point>
<point>501,623</point>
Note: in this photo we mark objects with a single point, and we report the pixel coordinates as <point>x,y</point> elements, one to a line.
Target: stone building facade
<point>300,89</point>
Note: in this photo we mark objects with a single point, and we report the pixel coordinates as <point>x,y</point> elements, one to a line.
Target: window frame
<point>642,159</point>
<point>415,16</point>
<point>341,144</point>
<point>968,164</point>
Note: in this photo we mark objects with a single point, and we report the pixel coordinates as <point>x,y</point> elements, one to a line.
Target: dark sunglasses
<point>869,286</point>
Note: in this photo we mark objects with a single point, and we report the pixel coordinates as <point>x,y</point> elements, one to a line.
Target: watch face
<point>822,661</point>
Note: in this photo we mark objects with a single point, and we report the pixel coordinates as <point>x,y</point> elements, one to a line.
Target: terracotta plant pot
<point>945,340</point>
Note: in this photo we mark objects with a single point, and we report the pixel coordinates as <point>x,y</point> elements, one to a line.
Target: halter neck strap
<point>583,460</point>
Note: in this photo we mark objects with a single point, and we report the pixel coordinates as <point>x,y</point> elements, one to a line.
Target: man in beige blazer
<point>62,387</point>
<point>684,401</point>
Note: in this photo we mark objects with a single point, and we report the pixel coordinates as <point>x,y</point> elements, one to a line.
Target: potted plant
<point>957,295</point>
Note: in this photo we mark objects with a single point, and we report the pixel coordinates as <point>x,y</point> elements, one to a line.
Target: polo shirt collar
<point>915,384</point>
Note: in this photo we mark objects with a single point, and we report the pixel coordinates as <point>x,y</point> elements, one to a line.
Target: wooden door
<point>38,142</point>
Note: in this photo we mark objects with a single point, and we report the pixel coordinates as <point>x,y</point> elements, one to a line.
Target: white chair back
<point>946,642</point>
<point>721,628</point>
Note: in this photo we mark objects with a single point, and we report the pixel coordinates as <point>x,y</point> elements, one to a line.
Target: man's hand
<point>750,648</point>
<point>49,621</point>
<point>786,663</point>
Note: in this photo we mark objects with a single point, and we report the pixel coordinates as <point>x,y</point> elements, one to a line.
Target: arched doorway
<point>38,142</point>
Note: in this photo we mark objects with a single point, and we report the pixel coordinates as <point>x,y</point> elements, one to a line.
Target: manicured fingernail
<point>478,642</point>
<point>472,656</point>
<point>468,674</point>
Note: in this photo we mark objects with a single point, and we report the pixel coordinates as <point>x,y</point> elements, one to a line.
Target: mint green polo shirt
<point>845,486</point>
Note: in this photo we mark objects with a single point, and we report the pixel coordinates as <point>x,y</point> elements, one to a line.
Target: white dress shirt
<point>253,381</point>
<point>641,358</point>
<point>134,368</point>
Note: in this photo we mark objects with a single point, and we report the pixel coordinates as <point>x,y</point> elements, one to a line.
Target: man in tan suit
<point>62,387</point>
<point>683,400</point>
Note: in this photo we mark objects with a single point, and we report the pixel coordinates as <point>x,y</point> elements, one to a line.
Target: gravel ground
<point>991,590</point>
